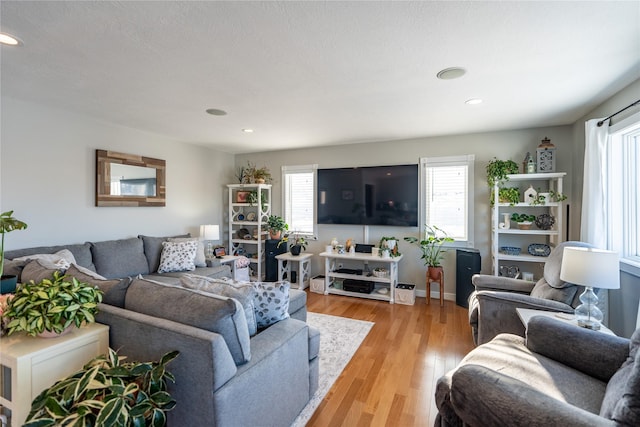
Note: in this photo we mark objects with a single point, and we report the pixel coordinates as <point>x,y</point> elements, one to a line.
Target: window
<point>299,198</point>
<point>623,187</point>
<point>447,195</point>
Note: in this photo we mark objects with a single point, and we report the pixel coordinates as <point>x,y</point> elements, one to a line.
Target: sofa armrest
<point>203,354</point>
<point>595,353</point>
<point>485,282</point>
<point>483,397</point>
<point>496,312</point>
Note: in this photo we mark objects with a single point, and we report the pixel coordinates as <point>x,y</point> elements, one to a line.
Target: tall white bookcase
<point>515,237</point>
<point>248,223</point>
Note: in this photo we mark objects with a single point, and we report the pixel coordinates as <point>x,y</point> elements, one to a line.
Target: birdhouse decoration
<point>546,156</point>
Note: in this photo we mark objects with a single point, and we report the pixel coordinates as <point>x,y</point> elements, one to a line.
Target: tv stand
<point>332,277</point>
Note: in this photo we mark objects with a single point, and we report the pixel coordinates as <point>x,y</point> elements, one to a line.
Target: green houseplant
<point>52,305</point>
<point>524,221</point>
<point>276,226</point>
<point>8,224</point>
<point>297,243</point>
<point>432,248</point>
<point>497,171</point>
<point>390,244</point>
<point>108,392</point>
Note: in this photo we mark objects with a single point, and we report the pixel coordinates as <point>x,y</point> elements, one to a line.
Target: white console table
<point>384,287</point>
<point>29,365</point>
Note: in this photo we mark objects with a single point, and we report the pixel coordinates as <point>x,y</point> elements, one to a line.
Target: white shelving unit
<point>331,261</point>
<point>523,238</point>
<point>251,217</point>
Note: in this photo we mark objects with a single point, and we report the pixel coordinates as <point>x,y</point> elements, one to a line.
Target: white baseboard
<point>435,295</point>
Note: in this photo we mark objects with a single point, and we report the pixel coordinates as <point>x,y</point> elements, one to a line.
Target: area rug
<point>340,337</point>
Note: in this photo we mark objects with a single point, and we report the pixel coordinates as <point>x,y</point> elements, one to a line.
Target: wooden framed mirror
<point>129,180</point>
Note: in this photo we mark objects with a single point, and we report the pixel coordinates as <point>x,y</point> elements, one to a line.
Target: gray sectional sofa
<point>225,376</point>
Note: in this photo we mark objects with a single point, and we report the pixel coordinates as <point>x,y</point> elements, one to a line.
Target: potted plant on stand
<point>297,243</point>
<point>432,249</point>
<point>276,226</point>
<point>51,307</point>
<point>7,224</point>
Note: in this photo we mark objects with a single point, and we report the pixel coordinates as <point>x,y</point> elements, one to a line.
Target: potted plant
<point>276,226</point>
<point>497,171</point>
<point>390,244</point>
<point>432,249</point>
<point>262,175</point>
<point>8,224</point>
<point>108,392</point>
<point>297,243</point>
<point>509,195</point>
<point>53,305</point>
<point>524,221</point>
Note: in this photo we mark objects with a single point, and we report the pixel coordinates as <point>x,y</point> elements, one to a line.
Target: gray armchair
<point>492,306</point>
<point>562,375</point>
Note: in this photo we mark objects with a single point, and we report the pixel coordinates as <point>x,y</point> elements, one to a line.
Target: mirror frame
<point>104,159</point>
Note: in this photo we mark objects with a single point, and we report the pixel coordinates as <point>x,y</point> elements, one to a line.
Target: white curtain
<point>593,225</point>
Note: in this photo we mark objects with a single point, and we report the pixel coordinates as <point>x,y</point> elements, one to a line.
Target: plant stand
<point>440,281</point>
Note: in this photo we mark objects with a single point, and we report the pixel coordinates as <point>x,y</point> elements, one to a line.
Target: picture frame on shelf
<point>219,252</point>
<point>242,196</point>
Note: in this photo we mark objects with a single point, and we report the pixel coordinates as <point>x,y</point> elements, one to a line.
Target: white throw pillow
<point>200,259</point>
<point>178,256</point>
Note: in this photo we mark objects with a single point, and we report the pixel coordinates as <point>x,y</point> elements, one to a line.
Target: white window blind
<point>299,198</point>
<point>447,195</point>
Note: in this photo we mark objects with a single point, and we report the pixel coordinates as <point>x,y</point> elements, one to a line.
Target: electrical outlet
<point>340,265</point>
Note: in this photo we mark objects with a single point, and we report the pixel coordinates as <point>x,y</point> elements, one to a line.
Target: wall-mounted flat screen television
<point>372,195</point>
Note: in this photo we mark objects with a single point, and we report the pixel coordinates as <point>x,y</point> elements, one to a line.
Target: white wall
<point>47,175</point>
<point>503,145</point>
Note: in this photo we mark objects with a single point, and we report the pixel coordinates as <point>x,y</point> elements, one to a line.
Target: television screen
<point>375,195</point>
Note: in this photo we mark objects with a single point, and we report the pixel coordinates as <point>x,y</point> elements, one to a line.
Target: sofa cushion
<point>565,294</point>
<point>627,410</point>
<point>119,258</point>
<point>153,249</point>
<point>553,264</point>
<point>214,313</point>
<point>37,270</point>
<point>200,259</point>
<point>619,382</point>
<point>81,253</point>
<point>178,256</point>
<point>271,301</point>
<point>113,291</point>
<point>226,287</point>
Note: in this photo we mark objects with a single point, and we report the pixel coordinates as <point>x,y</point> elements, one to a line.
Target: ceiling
<point>309,73</point>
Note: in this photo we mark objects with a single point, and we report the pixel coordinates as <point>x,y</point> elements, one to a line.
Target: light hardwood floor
<point>391,379</point>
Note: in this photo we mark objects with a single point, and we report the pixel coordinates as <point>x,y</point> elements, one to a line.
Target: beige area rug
<point>340,337</point>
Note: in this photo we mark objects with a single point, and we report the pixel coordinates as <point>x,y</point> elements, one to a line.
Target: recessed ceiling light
<point>216,112</point>
<point>451,73</point>
<point>247,130</point>
<point>473,101</point>
<point>10,40</point>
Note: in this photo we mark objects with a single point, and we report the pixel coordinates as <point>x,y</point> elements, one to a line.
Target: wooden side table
<point>29,365</point>
<point>304,267</point>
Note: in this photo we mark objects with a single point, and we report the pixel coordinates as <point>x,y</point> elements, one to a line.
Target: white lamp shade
<point>590,267</point>
<point>210,232</point>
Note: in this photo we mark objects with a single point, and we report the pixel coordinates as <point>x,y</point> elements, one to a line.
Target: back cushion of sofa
<point>153,249</point>
<point>81,253</point>
<point>119,258</point>
<point>218,314</point>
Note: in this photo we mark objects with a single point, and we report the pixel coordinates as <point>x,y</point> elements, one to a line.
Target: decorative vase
<point>507,220</point>
<point>525,225</point>
<point>434,273</point>
<point>51,334</point>
<point>295,250</point>
<point>8,284</point>
<point>260,181</point>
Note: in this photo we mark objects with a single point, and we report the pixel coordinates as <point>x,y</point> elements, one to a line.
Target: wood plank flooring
<point>391,379</point>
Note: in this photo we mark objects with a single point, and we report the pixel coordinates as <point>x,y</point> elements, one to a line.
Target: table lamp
<point>209,233</point>
<point>592,268</point>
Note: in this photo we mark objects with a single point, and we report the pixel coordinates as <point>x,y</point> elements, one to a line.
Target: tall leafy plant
<point>8,224</point>
<point>108,392</point>
<point>431,245</point>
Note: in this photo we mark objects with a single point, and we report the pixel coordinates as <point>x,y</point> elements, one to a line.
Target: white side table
<point>231,260</point>
<point>526,314</point>
<point>304,267</point>
<point>30,364</point>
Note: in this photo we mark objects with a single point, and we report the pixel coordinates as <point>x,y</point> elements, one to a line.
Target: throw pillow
<point>243,292</point>
<point>113,291</point>
<point>200,259</point>
<point>60,260</point>
<point>37,270</point>
<point>627,409</point>
<point>271,301</point>
<point>14,268</point>
<point>543,290</point>
<point>618,383</point>
<point>177,256</point>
